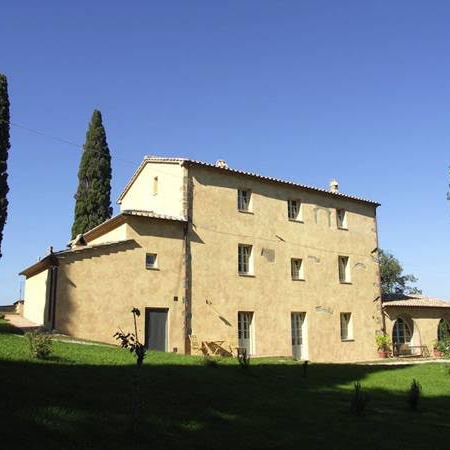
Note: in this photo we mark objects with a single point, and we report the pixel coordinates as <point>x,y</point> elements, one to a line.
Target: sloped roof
<point>415,301</point>
<point>119,218</point>
<point>187,162</point>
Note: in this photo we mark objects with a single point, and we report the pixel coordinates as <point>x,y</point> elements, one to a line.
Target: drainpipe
<point>188,192</point>
<point>383,316</point>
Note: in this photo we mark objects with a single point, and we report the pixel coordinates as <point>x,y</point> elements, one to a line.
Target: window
<point>401,333</point>
<point>346,326</point>
<point>244,197</point>
<point>151,261</point>
<point>297,269</point>
<point>245,259</point>
<point>344,269</point>
<point>155,185</point>
<point>341,219</point>
<point>294,207</point>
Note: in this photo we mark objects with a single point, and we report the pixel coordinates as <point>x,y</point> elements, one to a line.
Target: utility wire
<point>64,141</point>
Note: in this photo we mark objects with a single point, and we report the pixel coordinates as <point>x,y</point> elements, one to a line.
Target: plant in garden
<point>130,341</point>
<point>359,400</point>
<point>243,358</point>
<point>40,344</point>
<point>414,394</point>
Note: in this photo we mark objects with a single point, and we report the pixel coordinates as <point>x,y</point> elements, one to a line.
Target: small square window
<point>244,198</point>
<point>346,326</point>
<point>151,261</point>
<point>344,269</point>
<point>245,259</point>
<point>297,269</point>
<point>341,219</point>
<point>294,208</point>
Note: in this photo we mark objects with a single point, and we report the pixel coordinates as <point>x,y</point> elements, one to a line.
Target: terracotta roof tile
<point>416,301</point>
<point>185,161</point>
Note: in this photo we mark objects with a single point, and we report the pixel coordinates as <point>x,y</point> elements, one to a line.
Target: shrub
<point>359,400</point>
<point>210,362</point>
<point>243,358</point>
<point>414,394</point>
<point>2,316</point>
<point>39,344</point>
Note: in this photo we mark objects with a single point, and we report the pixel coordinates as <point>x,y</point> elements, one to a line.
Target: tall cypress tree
<point>93,204</point>
<point>4,147</point>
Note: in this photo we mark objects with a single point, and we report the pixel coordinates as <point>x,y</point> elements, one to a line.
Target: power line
<point>62,140</point>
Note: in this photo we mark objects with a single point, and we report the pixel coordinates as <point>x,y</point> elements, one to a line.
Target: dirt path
<point>21,323</point>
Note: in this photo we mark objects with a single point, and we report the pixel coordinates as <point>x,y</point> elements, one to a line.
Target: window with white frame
<point>344,269</point>
<point>244,198</point>
<point>297,269</point>
<point>341,219</point>
<point>346,326</point>
<point>294,210</point>
<point>245,263</point>
<point>155,185</point>
<point>151,261</point>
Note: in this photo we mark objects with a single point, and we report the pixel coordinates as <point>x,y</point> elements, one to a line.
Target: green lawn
<point>82,398</point>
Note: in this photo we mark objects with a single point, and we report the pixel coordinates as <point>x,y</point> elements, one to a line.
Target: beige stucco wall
<point>170,194</point>
<point>35,304</point>
<point>117,234</point>
<point>97,288</point>
<point>423,321</point>
<point>219,292</point>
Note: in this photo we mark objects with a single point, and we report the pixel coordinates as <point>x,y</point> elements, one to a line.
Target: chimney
<point>334,186</point>
<point>222,164</point>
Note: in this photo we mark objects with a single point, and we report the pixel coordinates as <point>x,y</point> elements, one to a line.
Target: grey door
<point>245,330</point>
<point>297,320</point>
<point>156,329</point>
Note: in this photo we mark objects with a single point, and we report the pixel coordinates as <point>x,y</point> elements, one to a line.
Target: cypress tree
<point>4,147</point>
<point>92,200</point>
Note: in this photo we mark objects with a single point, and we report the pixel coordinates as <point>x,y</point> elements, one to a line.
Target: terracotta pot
<point>437,353</point>
<point>382,353</point>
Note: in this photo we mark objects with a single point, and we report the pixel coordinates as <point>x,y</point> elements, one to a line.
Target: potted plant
<point>383,343</point>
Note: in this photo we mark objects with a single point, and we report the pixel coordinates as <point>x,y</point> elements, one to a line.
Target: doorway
<point>156,329</point>
<point>245,329</point>
<point>297,323</point>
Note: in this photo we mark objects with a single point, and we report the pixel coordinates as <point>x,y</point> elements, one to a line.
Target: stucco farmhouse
<point>229,257</point>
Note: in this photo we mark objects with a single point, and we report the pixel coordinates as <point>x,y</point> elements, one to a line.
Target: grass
<point>82,398</point>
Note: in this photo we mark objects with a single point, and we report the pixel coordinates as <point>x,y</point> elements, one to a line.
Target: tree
<point>93,203</point>
<point>4,147</point>
<point>393,281</point>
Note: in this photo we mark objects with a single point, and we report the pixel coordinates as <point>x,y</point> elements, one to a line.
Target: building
<point>415,322</point>
<point>225,255</point>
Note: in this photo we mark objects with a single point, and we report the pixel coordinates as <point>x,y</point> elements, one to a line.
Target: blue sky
<point>302,90</point>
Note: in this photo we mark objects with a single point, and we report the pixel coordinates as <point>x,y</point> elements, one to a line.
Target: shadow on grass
<point>56,405</point>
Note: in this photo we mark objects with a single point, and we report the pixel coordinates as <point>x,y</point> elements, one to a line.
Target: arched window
<point>443,332</point>
<point>401,334</point>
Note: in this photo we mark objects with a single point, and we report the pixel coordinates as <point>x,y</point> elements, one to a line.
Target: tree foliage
<point>4,147</point>
<point>93,203</point>
<point>393,281</point>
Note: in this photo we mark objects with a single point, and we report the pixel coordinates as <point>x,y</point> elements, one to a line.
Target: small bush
<point>2,316</point>
<point>359,400</point>
<point>210,362</point>
<point>243,359</point>
<point>39,344</point>
<point>414,394</point>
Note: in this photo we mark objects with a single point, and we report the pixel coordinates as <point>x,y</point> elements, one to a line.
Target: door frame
<point>251,331</point>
